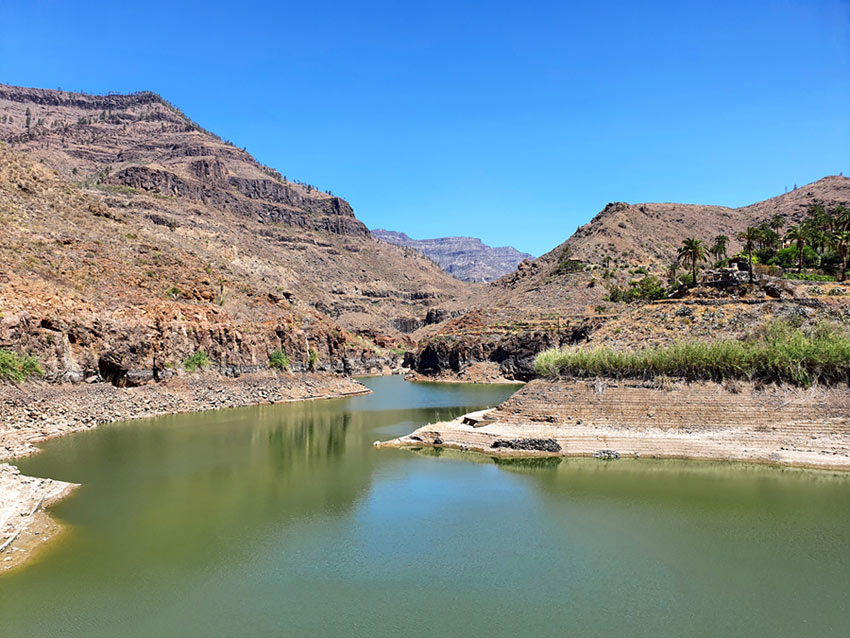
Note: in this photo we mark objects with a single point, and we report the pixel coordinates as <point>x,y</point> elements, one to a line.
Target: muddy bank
<point>736,422</point>
<point>32,413</point>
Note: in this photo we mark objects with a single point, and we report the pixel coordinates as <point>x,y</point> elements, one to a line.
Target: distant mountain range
<point>465,258</point>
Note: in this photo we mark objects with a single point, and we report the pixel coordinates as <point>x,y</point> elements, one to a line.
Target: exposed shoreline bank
<point>33,413</point>
<point>779,425</point>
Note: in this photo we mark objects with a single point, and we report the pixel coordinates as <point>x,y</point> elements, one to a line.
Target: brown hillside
<point>98,293</point>
<point>158,175</point>
<point>623,237</point>
<point>561,296</point>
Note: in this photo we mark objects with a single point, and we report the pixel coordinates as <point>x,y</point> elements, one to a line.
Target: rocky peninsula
<point>734,421</point>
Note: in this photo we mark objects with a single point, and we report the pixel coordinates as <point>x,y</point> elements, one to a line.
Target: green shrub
<point>279,360</point>
<point>16,367</point>
<point>789,257</point>
<point>313,359</point>
<point>174,292</point>
<point>776,352</point>
<point>836,292</point>
<point>197,361</point>
<point>648,288</point>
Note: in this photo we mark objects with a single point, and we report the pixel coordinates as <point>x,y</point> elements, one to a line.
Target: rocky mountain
<point>132,238</point>
<point>561,296</point>
<point>142,157</point>
<point>465,258</point>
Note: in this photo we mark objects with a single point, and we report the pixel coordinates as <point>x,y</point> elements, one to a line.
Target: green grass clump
<point>197,361</point>
<point>16,367</point>
<point>777,352</point>
<point>279,360</point>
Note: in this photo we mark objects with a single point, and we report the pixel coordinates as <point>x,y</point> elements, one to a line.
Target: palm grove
<point>818,244</point>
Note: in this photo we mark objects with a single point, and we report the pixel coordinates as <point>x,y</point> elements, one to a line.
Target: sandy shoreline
<point>776,425</point>
<point>33,413</point>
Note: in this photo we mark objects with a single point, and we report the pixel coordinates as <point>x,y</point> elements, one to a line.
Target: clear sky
<point>511,121</point>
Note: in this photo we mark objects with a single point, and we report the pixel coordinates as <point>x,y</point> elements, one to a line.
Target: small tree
<point>673,273</point>
<point>279,360</point>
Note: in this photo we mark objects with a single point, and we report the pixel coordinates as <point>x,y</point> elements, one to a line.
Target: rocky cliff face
<point>465,258</point>
<point>142,142</point>
<point>100,294</point>
<point>178,209</point>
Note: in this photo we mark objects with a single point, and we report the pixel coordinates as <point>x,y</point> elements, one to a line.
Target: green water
<point>284,521</point>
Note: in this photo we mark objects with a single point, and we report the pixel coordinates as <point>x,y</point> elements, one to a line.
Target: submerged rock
<point>607,455</point>
<point>540,445</point>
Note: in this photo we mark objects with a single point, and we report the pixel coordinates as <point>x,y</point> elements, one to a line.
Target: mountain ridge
<point>465,258</point>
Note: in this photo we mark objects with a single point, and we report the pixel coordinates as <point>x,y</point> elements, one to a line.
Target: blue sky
<point>514,122</point>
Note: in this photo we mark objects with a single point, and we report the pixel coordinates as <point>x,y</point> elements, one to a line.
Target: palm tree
<point>798,235</point>
<point>768,238</point>
<point>749,237</point>
<point>692,250</point>
<point>777,222</point>
<point>719,247</point>
<point>842,216</point>
<point>840,239</point>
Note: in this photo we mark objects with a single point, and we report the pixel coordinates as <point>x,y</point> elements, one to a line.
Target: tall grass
<point>775,352</point>
<point>16,367</point>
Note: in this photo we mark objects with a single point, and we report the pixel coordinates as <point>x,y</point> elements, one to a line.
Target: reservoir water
<point>285,521</point>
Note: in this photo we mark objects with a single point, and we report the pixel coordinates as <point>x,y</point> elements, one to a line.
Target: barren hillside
<point>151,168</point>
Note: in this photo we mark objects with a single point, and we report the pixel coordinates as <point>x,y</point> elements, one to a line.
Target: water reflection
<point>281,520</point>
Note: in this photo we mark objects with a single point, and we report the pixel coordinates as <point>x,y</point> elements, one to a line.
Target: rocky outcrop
<point>49,97</point>
<point>127,352</point>
<point>465,258</point>
<point>328,214</point>
<point>513,352</point>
